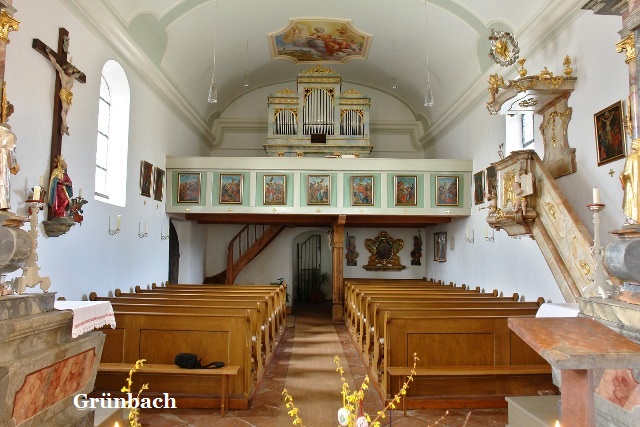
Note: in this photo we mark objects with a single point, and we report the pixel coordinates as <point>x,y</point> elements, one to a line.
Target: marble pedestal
<point>578,347</point>
<point>41,367</point>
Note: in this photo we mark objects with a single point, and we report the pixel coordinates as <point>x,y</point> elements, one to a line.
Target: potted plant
<point>317,279</point>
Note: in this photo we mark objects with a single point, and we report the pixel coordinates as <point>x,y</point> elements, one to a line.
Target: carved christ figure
<point>8,163</point>
<point>67,73</point>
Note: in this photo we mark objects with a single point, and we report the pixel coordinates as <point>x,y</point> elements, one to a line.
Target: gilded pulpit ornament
<point>504,48</point>
<point>384,253</point>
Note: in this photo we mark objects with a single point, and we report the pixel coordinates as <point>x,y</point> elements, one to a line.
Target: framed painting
<point>275,190</point>
<point>447,191</point>
<point>405,190</point>
<point>440,246</point>
<point>189,187</point>
<point>609,128</point>
<point>492,180</point>
<point>319,189</point>
<point>478,187</point>
<point>230,188</point>
<point>158,183</point>
<point>145,178</point>
<point>362,190</point>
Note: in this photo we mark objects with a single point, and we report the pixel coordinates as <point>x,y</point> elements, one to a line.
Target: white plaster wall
<point>246,140</point>
<point>517,265</point>
<point>88,258</point>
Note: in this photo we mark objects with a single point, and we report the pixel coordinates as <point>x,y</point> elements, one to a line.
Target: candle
<point>557,424</point>
<point>145,227</point>
<point>36,192</point>
<point>41,181</point>
<point>467,233</point>
<point>80,193</point>
<point>486,231</point>
<point>596,195</point>
<point>118,223</point>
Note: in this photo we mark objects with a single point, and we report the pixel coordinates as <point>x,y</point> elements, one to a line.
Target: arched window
<point>113,135</point>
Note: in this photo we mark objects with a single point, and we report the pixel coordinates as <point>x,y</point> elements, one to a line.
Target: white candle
<point>145,226</point>
<point>118,223</point>
<point>80,193</point>
<point>36,192</point>
<point>41,181</point>
<point>467,233</point>
<point>486,231</point>
<point>557,423</point>
<point>596,195</point>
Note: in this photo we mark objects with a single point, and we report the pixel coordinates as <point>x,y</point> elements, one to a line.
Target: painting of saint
<point>447,191</point>
<point>610,140</point>
<point>478,187</point>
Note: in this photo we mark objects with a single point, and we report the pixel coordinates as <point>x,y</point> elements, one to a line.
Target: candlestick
<point>599,285</point>
<point>117,230</point>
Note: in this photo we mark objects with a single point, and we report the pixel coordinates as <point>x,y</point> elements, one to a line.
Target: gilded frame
<point>158,183</point>
<point>274,190</point>
<point>447,190</point>
<point>319,189</point>
<point>478,187</point>
<point>146,169</point>
<point>405,190</point>
<point>362,190</point>
<point>189,187</point>
<point>609,133</point>
<point>231,188</point>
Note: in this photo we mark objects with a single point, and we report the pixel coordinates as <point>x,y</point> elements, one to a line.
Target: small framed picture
<point>189,185</point>
<point>362,190</point>
<point>319,189</point>
<point>492,180</point>
<point>440,246</point>
<point>145,178</point>
<point>231,188</point>
<point>405,190</point>
<point>158,183</point>
<point>447,191</point>
<point>275,190</point>
<point>610,140</point>
<point>478,187</point>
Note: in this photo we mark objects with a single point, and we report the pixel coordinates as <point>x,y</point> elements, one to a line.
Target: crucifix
<point>67,73</point>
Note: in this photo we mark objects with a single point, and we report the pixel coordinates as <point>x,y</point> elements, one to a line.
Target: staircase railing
<point>246,245</point>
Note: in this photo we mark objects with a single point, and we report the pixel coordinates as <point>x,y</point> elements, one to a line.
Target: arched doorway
<point>174,254</point>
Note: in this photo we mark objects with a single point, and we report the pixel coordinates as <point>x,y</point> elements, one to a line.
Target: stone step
<point>533,411</point>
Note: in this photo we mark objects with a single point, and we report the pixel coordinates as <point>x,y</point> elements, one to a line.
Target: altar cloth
<point>88,315</point>
<point>558,310</point>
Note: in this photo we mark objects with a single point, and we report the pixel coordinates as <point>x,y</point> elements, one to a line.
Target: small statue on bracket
<point>66,210</point>
<point>416,253</point>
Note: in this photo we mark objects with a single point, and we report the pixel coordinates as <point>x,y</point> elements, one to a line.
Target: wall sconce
<point>164,237</point>
<point>117,230</point>
<point>145,234</point>
<point>486,234</point>
<point>470,239</point>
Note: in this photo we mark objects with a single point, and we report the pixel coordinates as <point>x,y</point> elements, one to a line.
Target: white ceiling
<point>171,44</point>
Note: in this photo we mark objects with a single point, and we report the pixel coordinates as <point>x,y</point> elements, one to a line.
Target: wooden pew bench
<point>161,370</point>
<point>159,336</point>
<point>452,343</point>
<point>401,373</point>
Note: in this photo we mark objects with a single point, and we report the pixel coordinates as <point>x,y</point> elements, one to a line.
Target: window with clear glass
<point>527,129</point>
<point>112,142</point>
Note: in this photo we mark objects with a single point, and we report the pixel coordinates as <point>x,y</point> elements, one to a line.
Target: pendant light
<point>428,95</point>
<point>213,90</point>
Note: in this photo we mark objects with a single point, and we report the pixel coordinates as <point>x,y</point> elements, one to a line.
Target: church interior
<point>243,180</point>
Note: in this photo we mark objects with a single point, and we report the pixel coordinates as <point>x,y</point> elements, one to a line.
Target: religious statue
<point>416,253</point>
<point>8,163</point>
<point>520,199</point>
<point>60,189</point>
<point>352,254</point>
<point>67,73</point>
<point>630,179</point>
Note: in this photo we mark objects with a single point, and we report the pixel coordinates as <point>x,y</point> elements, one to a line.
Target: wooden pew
<point>449,348</point>
<point>270,301</point>
<point>159,336</point>
<point>263,326</point>
<point>258,352</point>
<point>162,370</point>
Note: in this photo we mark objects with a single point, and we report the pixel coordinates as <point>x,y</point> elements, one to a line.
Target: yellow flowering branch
<point>134,413</point>
<point>402,392</point>
<point>293,411</point>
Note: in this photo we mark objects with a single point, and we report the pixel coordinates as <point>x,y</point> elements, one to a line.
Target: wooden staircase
<point>243,248</point>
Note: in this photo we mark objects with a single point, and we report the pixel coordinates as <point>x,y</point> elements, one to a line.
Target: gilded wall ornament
<point>384,253</point>
<point>504,48</point>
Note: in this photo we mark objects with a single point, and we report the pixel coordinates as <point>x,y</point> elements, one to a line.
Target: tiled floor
<point>267,405</point>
